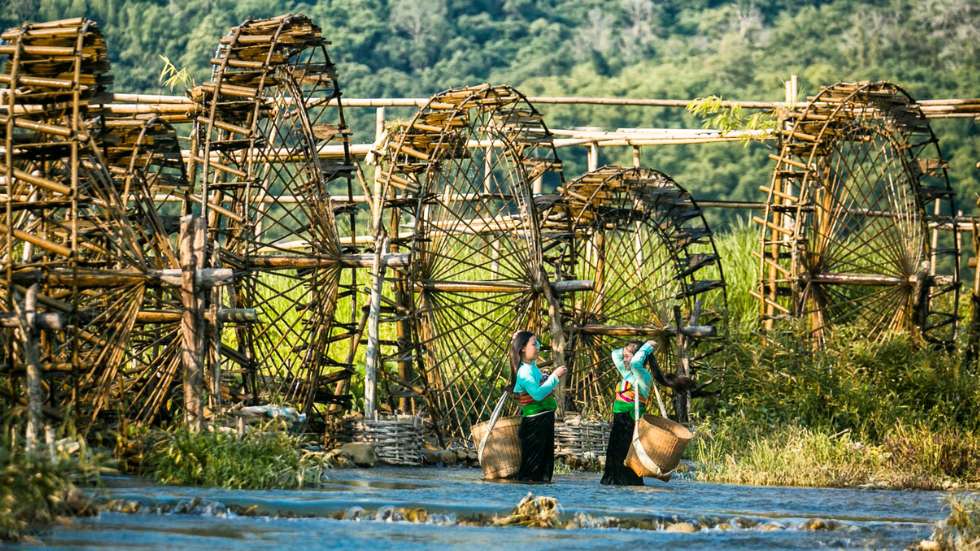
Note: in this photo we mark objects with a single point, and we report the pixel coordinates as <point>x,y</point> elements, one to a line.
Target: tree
<point>422,21</point>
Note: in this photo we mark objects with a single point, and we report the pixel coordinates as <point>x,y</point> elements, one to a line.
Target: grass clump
<point>36,488</point>
<point>267,457</point>
<point>959,531</point>
<point>792,455</point>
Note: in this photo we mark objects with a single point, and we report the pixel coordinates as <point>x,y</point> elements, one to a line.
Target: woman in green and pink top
<point>630,361</point>
<point>535,393</point>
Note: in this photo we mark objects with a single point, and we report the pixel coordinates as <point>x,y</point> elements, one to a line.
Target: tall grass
<point>849,384</point>
<point>268,457</point>
<point>735,249</point>
<point>854,412</point>
<point>910,456</point>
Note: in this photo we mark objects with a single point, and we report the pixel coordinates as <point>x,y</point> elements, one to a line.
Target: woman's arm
<point>530,385</point>
<point>638,366</point>
<point>640,357</point>
<point>617,358</point>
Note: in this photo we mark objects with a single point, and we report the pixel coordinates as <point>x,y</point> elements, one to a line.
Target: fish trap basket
<point>663,441</point>
<point>581,437</point>
<point>502,454</point>
<point>397,439</point>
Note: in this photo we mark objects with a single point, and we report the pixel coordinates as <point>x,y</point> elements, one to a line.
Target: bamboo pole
<point>32,362</point>
<point>682,400</point>
<point>371,355</point>
<point>938,105</point>
<point>973,334</point>
<point>191,252</point>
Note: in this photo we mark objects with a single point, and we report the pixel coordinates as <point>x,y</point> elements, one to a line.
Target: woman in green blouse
<point>535,393</point>
<point>634,384</point>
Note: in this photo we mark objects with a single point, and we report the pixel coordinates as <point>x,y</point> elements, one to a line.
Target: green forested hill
<point>642,48</point>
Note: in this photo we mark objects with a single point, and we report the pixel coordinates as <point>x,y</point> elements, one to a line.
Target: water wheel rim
<point>288,255</point>
<point>619,220</point>
<point>447,291</point>
<point>816,129</point>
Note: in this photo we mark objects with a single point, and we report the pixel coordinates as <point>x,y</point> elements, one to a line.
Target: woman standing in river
<point>634,384</point>
<point>538,404</point>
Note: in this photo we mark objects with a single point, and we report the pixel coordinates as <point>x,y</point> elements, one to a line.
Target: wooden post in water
<point>191,326</point>
<point>35,397</point>
<point>371,357</point>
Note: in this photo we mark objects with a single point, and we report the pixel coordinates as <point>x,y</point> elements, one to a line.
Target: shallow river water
<point>773,517</point>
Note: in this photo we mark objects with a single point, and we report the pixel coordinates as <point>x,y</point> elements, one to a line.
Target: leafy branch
<point>172,77</point>
<point>729,118</point>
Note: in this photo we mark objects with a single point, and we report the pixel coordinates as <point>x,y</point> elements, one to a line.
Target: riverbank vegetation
<point>38,488</point>
<point>266,456</point>
<point>851,412</point>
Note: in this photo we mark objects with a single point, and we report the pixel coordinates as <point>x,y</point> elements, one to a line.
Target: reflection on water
<point>736,517</point>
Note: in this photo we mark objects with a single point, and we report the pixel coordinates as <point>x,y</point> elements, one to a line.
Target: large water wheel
<point>143,155</point>
<point>643,241</point>
<point>846,237</point>
<point>68,244</point>
<point>272,156</point>
<point>460,175</point>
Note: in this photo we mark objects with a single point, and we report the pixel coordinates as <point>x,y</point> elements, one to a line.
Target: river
<point>183,518</point>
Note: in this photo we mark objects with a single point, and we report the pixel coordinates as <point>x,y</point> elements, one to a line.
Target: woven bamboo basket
<point>581,437</point>
<point>502,454</point>
<point>664,442</point>
<point>397,439</point>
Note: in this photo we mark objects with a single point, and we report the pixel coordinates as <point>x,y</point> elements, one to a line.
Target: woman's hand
<point>559,371</point>
<point>651,343</point>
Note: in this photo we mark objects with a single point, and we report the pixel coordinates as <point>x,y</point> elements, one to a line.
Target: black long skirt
<point>537,434</point>
<point>620,439</point>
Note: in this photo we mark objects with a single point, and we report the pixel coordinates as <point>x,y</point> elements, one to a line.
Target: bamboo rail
<point>171,104</point>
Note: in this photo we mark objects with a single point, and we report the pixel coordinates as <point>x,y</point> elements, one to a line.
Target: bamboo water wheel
<point>460,175</point>
<point>272,157</point>
<point>845,236</point>
<point>643,241</point>
<point>68,247</point>
<point>144,156</point>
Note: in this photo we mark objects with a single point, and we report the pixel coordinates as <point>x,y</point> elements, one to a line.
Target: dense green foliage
<point>639,48</point>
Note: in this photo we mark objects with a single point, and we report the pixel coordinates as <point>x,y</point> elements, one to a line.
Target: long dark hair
<point>677,382</point>
<point>517,344</point>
